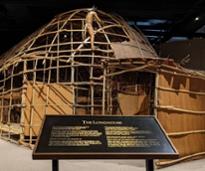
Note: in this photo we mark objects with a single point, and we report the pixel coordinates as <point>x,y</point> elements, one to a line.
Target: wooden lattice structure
<point>86,61</point>
<point>59,70</point>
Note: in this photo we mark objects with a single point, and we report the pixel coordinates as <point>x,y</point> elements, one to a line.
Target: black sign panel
<point>102,137</point>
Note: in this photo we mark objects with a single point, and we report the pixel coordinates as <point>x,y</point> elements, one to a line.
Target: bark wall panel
<point>42,98</point>
<point>181,111</point>
<point>178,122</point>
<point>182,100</point>
<point>133,104</point>
<point>183,144</point>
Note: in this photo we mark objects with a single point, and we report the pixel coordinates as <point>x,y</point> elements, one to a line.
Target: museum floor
<point>18,158</point>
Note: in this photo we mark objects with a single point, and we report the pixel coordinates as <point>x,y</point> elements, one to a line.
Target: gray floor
<point>17,158</point>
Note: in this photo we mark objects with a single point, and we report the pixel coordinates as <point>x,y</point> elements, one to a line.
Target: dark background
<point>160,20</point>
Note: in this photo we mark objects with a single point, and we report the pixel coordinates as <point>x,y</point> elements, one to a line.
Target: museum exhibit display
<point>89,62</point>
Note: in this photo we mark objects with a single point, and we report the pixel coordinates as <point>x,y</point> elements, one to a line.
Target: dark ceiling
<point>160,20</point>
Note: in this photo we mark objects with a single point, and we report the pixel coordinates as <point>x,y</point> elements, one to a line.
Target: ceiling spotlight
<point>196,19</point>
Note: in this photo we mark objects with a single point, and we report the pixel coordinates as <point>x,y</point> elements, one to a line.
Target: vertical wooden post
<point>58,44</point>
<point>104,89</point>
<point>48,86</point>
<point>72,71</point>
<point>2,104</point>
<point>23,100</point>
<point>92,102</point>
<point>10,102</point>
<point>156,93</point>
<point>32,104</point>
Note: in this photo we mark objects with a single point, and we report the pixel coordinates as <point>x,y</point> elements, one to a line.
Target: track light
<point>196,18</point>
